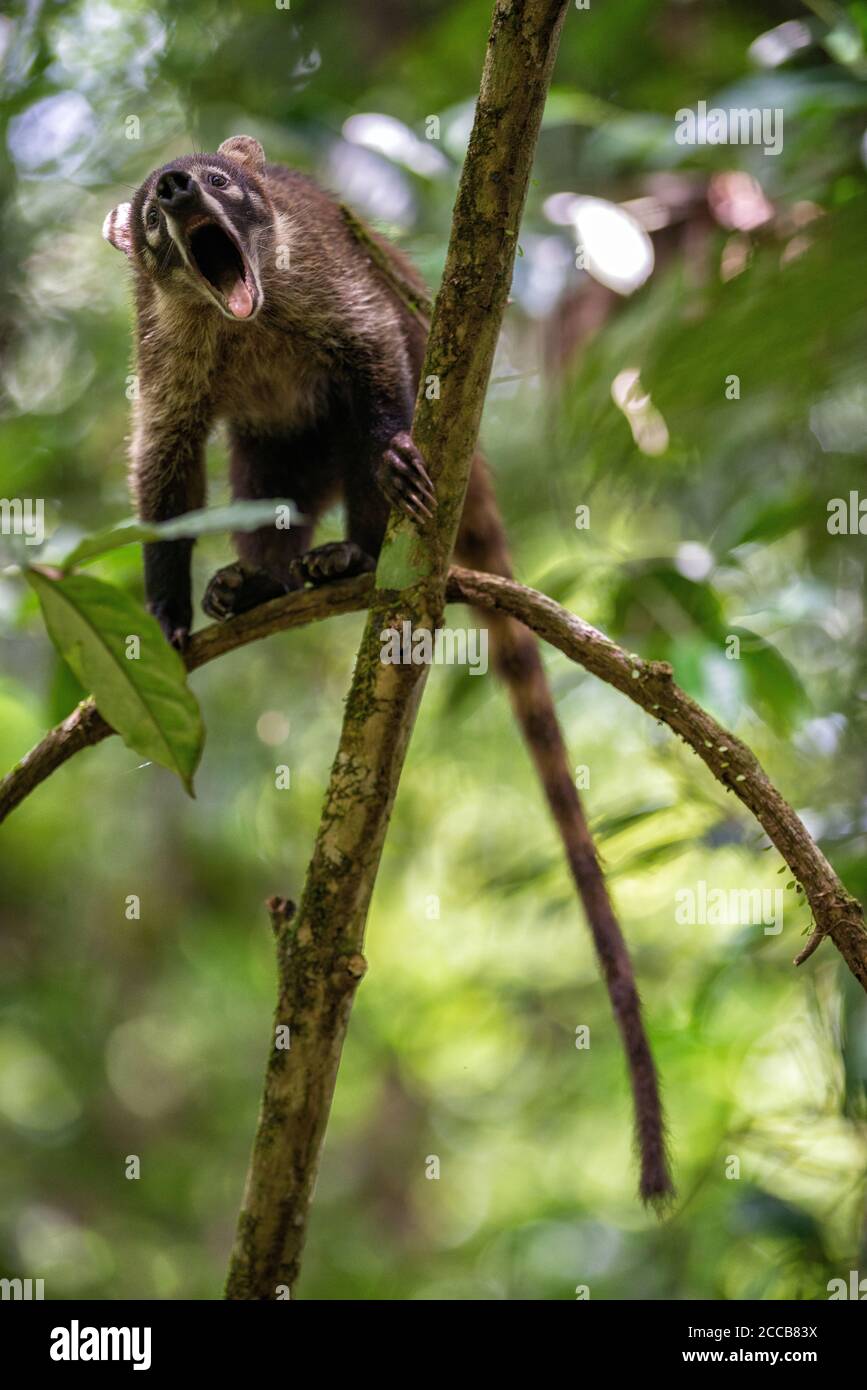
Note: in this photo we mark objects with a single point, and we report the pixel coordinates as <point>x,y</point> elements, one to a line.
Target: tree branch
<point>326,957</point>
<point>648,684</point>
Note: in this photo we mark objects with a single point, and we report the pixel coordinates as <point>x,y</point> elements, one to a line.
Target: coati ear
<point>117,228</point>
<point>244,150</point>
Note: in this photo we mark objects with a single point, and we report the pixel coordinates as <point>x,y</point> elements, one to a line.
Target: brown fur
<point>312,390</point>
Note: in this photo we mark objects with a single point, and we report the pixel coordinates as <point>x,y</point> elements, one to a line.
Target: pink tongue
<point>240,300</point>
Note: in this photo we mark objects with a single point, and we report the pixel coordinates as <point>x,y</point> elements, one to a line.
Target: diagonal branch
<point>325,958</point>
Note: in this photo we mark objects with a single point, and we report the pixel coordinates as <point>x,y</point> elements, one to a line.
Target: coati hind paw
<point>175,627</point>
<point>336,560</point>
<point>238,588</point>
<point>404,480</point>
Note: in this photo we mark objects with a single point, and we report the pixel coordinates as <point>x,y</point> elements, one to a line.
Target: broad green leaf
<point>773,686</point>
<point>766,1213</point>
<point>654,598</point>
<point>769,521</point>
<point>462,695</point>
<point>606,827</point>
<point>237,516</point>
<point>146,697</point>
<point>652,856</point>
<point>64,692</point>
<point>566,107</point>
<point>533,869</point>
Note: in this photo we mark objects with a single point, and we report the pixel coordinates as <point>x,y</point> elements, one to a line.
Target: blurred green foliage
<point>708,519</point>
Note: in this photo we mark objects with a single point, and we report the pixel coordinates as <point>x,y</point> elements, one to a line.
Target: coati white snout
<point>256,306</point>
<point>196,225</point>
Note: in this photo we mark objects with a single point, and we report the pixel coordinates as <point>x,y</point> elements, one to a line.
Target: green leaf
<point>463,695</point>
<point>568,107</point>
<point>606,827</point>
<point>64,692</point>
<point>237,516</point>
<point>145,698</point>
<point>653,600</point>
<point>774,519</point>
<point>773,686</point>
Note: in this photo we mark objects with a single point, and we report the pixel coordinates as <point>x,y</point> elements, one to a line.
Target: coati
<point>258,307</point>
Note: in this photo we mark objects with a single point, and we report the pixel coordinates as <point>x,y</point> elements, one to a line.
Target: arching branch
<point>649,684</point>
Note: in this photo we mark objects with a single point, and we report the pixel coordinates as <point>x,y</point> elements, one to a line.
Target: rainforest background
<point>695,379</point>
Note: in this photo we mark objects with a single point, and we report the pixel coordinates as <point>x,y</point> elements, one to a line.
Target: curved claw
<point>334,560</point>
<point>416,507</point>
<point>404,479</point>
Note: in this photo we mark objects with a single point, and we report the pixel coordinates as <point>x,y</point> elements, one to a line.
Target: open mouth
<point>219,261</point>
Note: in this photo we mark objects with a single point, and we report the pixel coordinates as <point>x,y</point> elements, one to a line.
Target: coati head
<point>202,223</point>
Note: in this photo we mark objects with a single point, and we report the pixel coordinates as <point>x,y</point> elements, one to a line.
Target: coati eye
<point>153,218</point>
<point>218,180</point>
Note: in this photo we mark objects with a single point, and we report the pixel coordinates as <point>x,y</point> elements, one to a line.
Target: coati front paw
<point>336,560</point>
<point>404,480</point>
<point>236,589</point>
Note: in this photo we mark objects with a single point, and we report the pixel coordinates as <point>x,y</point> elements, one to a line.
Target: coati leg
<point>366,515</point>
<point>264,466</point>
<point>482,545</point>
<point>168,478</point>
<point>396,477</point>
